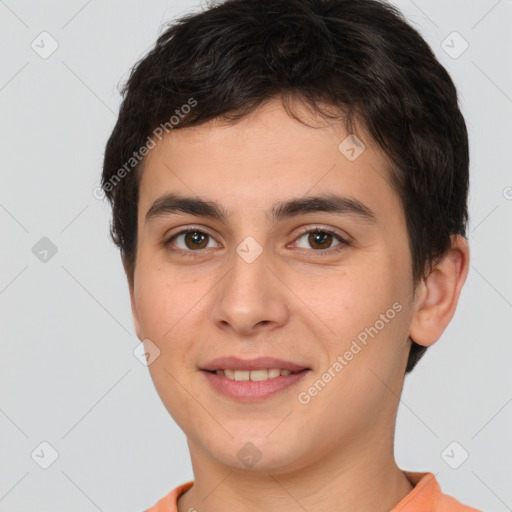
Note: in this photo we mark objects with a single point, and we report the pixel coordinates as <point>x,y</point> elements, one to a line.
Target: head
<point>250,104</point>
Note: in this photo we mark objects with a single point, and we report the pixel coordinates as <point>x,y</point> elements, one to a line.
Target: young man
<point>289,185</point>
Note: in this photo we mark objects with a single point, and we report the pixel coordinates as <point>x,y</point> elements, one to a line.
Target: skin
<point>335,452</point>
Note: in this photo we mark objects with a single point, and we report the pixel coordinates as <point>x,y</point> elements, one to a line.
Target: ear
<point>130,275</point>
<point>438,294</point>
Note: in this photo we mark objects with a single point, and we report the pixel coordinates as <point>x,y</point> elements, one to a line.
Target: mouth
<point>252,380</point>
<point>254,375</point>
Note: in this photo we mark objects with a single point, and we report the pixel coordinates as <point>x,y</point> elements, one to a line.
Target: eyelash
<point>315,229</point>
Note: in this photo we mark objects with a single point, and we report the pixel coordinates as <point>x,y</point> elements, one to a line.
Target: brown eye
<point>319,240</point>
<point>196,240</point>
<point>189,240</point>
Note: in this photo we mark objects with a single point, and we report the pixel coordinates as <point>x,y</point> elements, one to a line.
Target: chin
<point>258,454</point>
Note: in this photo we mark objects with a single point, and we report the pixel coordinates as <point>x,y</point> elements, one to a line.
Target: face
<point>263,273</point>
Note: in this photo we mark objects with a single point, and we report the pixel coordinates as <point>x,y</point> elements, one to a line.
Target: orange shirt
<point>425,497</point>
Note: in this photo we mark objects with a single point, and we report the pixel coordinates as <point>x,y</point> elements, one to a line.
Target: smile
<point>253,385</point>
<point>254,375</point>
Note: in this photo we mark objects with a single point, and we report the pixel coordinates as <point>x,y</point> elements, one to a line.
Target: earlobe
<point>440,292</point>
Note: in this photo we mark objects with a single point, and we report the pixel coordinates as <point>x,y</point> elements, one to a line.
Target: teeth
<point>242,374</point>
<point>254,375</point>
<point>257,375</point>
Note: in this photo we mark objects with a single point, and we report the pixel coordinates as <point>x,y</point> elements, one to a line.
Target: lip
<point>236,363</point>
<point>251,391</point>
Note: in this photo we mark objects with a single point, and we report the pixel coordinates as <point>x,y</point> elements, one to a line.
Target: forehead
<point>267,156</point>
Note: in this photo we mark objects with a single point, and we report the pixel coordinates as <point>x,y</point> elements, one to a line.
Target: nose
<point>250,298</point>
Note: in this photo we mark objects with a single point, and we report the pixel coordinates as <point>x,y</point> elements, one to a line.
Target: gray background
<point>68,375</point>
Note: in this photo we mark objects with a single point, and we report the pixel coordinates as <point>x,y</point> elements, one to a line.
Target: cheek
<point>171,307</point>
<point>347,300</point>
<point>364,311</point>
<point>168,308</point>
<point>163,298</point>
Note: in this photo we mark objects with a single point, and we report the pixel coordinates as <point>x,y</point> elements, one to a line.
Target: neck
<point>360,475</point>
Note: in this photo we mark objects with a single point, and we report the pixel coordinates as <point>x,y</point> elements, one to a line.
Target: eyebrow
<point>328,203</point>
